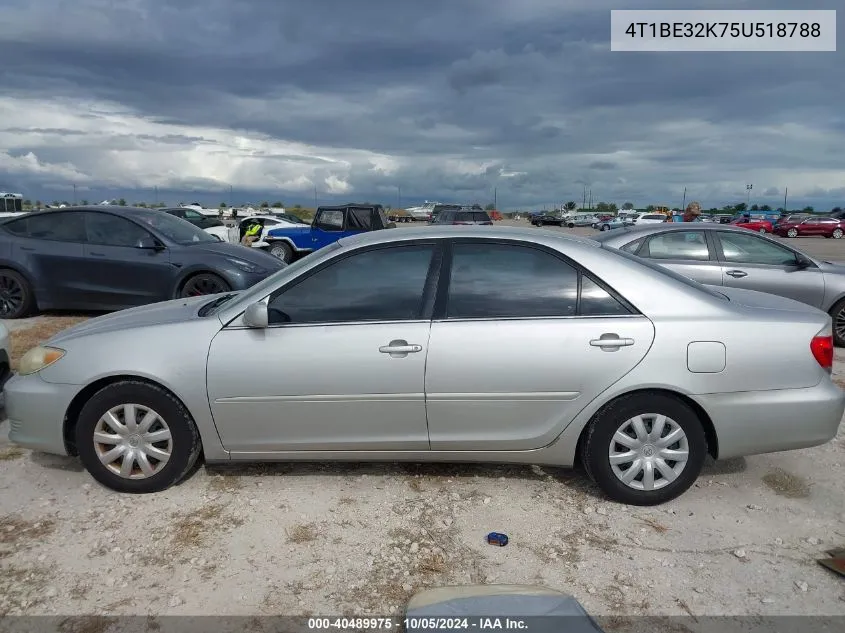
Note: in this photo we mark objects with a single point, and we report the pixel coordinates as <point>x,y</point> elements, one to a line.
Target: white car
<point>235,234</point>
<point>649,218</point>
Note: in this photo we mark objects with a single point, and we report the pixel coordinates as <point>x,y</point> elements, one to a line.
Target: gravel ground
<point>359,539</point>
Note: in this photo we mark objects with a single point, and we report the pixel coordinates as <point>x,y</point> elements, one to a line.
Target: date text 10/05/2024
<point>420,624</point>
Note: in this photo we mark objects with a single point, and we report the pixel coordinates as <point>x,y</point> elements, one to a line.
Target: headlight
<point>38,358</point>
<point>246,266</point>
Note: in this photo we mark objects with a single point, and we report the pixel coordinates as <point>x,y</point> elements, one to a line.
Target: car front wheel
<point>792,233</point>
<point>763,229</point>
<point>837,234</point>
<point>644,449</point>
<point>283,251</point>
<point>136,437</point>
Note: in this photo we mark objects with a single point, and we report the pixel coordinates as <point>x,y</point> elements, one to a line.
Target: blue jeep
<point>330,224</point>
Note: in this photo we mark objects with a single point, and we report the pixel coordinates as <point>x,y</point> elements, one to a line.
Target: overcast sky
<point>445,99</point>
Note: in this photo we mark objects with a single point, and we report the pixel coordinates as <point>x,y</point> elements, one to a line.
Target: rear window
<point>480,216</point>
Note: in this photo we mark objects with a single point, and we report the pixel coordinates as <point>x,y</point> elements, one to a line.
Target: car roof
<point>633,232</point>
<point>438,231</point>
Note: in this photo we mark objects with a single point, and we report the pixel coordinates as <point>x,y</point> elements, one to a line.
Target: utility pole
<point>230,196</point>
<point>785,191</point>
<point>74,194</point>
<point>398,197</point>
<point>315,197</point>
<point>748,190</point>
<point>495,199</point>
<point>684,204</point>
<point>156,195</point>
<point>591,200</point>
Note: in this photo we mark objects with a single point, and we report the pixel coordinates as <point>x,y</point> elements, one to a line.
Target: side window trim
<point>442,297</point>
<point>435,270</point>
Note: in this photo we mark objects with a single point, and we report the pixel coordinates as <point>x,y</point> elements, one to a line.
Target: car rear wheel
<point>792,233</point>
<point>837,314</point>
<point>644,449</point>
<point>136,437</point>
<point>605,227</point>
<point>16,296</point>
<point>283,251</point>
<point>762,229</point>
<point>204,284</point>
<point>837,234</point>
<point>570,225</point>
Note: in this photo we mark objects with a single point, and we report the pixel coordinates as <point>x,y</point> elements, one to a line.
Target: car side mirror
<point>147,243</point>
<point>256,315</point>
<point>802,263</point>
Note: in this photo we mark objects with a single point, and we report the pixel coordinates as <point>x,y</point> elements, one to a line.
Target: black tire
<point>186,443</point>
<point>837,313</point>
<point>17,298</point>
<point>605,227</point>
<point>596,444</point>
<point>570,225</point>
<point>282,250</point>
<point>203,284</point>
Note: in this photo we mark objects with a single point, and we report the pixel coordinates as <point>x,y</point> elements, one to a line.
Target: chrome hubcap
<point>648,451</point>
<point>792,232</point>
<point>837,234</point>
<point>132,441</point>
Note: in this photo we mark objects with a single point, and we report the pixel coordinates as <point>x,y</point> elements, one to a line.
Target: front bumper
<point>756,422</point>
<point>36,410</point>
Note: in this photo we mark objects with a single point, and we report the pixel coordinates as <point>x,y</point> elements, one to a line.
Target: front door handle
<point>609,342</point>
<point>97,254</point>
<point>737,274</point>
<point>399,348</point>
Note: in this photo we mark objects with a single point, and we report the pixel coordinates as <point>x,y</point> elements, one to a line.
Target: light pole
<point>748,189</point>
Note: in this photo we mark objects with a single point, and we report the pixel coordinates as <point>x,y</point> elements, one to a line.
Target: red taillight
<point>822,348</point>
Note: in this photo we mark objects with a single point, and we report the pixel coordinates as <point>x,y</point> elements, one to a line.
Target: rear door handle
<point>611,342</point>
<point>27,248</point>
<point>97,254</point>
<point>737,274</point>
<point>399,348</point>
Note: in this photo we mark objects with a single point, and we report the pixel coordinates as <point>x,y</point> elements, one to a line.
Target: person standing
<point>693,212</point>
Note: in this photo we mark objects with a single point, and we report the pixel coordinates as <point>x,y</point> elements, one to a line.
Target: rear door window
<point>112,230</point>
<point>677,245</point>
<point>61,227</point>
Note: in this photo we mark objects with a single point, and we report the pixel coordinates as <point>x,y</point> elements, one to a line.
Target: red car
<point>761,226</point>
<point>828,227</point>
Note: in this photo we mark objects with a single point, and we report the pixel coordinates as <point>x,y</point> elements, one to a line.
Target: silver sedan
<point>720,255</point>
<point>450,344</point>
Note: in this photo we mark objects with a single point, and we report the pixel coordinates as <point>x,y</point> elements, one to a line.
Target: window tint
<point>111,230</point>
<point>677,245</point>
<point>192,215</point>
<point>654,217</point>
<point>500,280</point>
<point>596,301</point>
<point>379,285</point>
<point>750,249</point>
<point>17,227</point>
<point>480,216</point>
<point>330,220</point>
<point>64,227</point>
<point>360,220</point>
<point>463,216</point>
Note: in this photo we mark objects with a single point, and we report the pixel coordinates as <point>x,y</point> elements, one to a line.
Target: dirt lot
<point>332,539</point>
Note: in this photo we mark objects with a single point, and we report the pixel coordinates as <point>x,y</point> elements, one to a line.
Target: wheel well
<point>75,406</point>
<point>25,275</point>
<point>706,422</point>
<point>190,276</point>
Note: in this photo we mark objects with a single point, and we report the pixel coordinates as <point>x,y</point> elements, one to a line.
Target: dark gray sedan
<point>720,255</point>
<point>110,258</point>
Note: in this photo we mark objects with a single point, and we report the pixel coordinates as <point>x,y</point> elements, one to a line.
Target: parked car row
<point>388,346</point>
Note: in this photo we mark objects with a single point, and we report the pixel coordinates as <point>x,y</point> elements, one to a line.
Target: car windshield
<point>174,229</point>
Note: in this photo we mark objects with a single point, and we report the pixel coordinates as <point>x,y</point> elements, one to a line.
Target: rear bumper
<point>36,410</point>
<point>755,422</point>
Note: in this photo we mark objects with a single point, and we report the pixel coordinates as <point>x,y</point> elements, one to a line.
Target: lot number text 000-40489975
<point>726,31</point>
